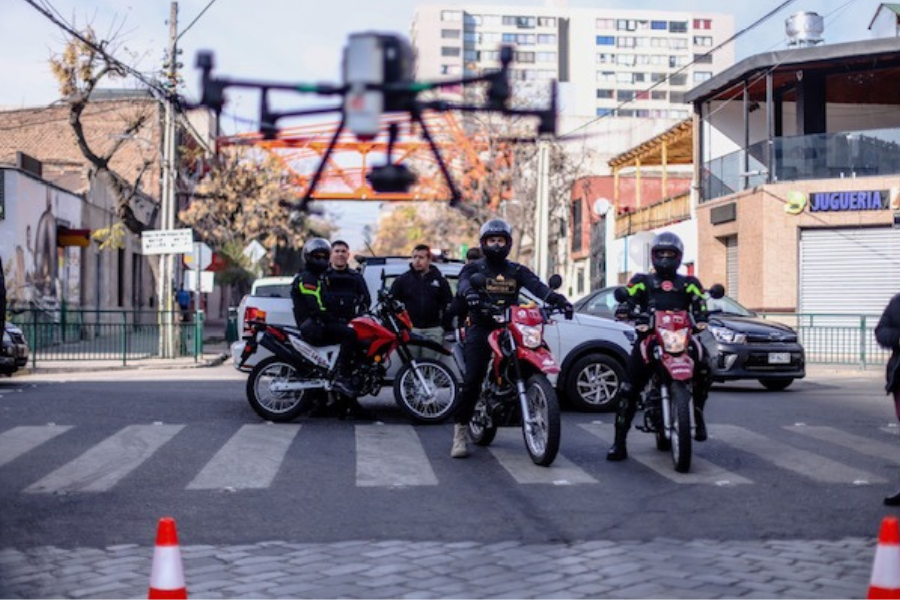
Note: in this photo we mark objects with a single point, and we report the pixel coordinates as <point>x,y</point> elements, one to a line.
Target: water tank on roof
<point>804,29</point>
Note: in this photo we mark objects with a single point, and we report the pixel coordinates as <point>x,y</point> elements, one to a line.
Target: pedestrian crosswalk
<point>252,456</point>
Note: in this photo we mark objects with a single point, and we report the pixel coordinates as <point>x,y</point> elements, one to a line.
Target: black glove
<point>473,299</point>
<point>556,300</point>
<point>623,312</point>
<point>568,311</point>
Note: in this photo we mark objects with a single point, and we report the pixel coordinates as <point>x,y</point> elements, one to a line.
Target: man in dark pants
<point>665,289</point>
<point>504,279</point>
<point>317,312</point>
<point>425,293</point>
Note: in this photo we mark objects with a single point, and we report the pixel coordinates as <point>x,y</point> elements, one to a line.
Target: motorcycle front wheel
<point>481,428</point>
<point>276,406</point>
<point>428,393</point>
<point>681,425</point>
<point>541,427</point>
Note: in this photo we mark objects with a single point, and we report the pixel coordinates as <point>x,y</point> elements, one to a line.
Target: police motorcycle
<point>669,349</point>
<point>282,387</point>
<point>516,391</point>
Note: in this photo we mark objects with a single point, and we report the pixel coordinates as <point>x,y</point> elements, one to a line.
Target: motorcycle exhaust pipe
<point>282,351</point>
<point>666,411</point>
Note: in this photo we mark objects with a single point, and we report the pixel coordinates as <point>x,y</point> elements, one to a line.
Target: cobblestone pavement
<point>661,568</point>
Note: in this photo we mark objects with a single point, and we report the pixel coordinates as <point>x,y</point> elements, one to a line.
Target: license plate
<point>779,358</point>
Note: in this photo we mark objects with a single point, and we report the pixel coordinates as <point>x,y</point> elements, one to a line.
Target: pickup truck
<point>591,351</point>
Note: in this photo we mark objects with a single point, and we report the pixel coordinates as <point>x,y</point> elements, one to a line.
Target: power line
<point>721,45</point>
<point>197,18</point>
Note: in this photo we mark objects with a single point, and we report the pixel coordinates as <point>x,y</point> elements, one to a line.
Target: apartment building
<point>601,57</point>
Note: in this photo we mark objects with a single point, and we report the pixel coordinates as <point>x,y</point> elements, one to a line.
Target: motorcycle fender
<point>418,340</point>
<point>681,368</point>
<point>540,359</point>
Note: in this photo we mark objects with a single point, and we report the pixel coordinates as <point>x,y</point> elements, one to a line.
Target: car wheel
<point>776,385</point>
<point>593,383</point>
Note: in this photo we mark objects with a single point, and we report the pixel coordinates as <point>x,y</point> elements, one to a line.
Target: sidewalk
<point>215,352</point>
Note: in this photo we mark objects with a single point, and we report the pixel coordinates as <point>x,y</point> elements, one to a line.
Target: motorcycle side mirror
<point>478,281</point>
<point>555,281</point>
<point>717,291</point>
<point>620,294</point>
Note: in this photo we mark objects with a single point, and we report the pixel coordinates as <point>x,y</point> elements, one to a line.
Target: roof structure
<point>674,146</point>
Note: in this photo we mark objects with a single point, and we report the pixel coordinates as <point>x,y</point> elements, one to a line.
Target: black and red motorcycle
<point>666,339</point>
<point>284,386</point>
<point>516,390</point>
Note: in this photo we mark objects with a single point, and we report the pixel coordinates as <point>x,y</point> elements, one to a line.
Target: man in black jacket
<point>347,287</point>
<point>887,333</point>
<point>426,294</point>
<point>504,279</point>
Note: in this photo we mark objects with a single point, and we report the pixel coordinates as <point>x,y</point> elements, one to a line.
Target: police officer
<point>504,279</point>
<point>318,313</point>
<point>666,290</point>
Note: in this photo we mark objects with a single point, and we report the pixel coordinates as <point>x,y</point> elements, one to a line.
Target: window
<point>526,39</point>
<point>625,95</point>
<point>545,57</point>
<point>546,21</point>
<point>659,95</point>
<point>445,51</point>
<point>450,34</point>
<point>470,55</point>
<point>546,38</point>
<point>643,24</point>
<point>606,23</point>
<point>627,60</point>
<point>491,38</point>
<point>472,20</point>
<point>678,27</point>
<point>703,40</point>
<point>606,40</point>
<point>703,59</point>
<point>641,42</point>
<point>640,77</point>
<point>677,61</point>
<point>702,23</point>
<point>606,58</point>
<point>509,20</point>
<point>525,22</point>
<point>451,15</point>
<point>492,20</point>
<point>602,112</point>
<point>471,37</point>
<point>659,25</point>
<point>679,79</point>
<point>605,94</point>
<point>625,41</point>
<point>451,69</point>
<point>625,113</point>
<point>577,209</point>
<point>701,76</point>
<point>626,24</point>
<point>657,77</point>
<point>624,77</point>
<point>606,76</point>
<point>488,55</point>
<point>659,42</point>
<point>524,57</point>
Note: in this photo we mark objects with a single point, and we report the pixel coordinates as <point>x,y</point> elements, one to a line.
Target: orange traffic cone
<point>167,573</point>
<point>885,581</point>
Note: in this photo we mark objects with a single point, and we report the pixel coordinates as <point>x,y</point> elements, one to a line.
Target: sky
<point>302,40</point>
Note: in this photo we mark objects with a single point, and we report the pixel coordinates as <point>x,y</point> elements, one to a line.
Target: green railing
<point>836,338</point>
<point>121,335</point>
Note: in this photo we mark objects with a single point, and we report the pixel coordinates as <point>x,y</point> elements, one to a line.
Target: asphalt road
<point>90,462</point>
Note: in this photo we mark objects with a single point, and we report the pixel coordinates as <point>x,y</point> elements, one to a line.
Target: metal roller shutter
<point>854,271</point>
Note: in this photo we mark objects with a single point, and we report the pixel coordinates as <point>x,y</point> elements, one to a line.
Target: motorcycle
<point>516,391</point>
<point>282,387</point>
<point>667,345</point>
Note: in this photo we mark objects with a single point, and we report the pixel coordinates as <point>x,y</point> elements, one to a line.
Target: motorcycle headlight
<point>727,336</point>
<point>531,335</point>
<point>674,342</point>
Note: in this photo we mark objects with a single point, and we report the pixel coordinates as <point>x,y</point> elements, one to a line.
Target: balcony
<point>670,210</point>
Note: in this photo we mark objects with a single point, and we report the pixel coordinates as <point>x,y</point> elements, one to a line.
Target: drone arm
<point>455,196</point>
<point>307,197</point>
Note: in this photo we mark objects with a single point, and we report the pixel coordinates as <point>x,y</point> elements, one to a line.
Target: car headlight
<point>674,342</point>
<point>531,335</point>
<point>727,336</point>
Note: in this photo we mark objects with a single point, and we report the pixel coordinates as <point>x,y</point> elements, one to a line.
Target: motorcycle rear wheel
<point>542,438</point>
<point>279,407</point>
<point>416,402</point>
<point>481,427</point>
<point>681,425</point>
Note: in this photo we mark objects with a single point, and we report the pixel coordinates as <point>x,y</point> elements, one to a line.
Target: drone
<point>378,79</point>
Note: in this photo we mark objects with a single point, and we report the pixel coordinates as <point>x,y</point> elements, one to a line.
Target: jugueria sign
<point>848,201</point>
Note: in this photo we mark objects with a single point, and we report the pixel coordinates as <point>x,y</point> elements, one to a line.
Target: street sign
<point>167,241</point>
<point>201,253</point>
<point>207,279</point>
<point>254,251</point>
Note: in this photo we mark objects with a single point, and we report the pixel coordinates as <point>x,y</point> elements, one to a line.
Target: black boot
<point>618,451</point>
<point>700,423</point>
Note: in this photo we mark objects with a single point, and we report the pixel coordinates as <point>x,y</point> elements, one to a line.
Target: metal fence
<point>832,338</point>
<point>121,335</point>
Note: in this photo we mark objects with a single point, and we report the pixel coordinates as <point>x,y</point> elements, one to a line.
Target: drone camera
<point>391,178</point>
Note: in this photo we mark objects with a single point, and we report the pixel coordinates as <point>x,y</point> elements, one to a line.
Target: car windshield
<point>274,291</point>
<point>727,306</point>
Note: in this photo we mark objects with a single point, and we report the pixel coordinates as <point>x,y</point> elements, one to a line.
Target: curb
<point>88,366</point>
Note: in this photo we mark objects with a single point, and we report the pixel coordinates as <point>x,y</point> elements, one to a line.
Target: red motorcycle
<point>284,386</point>
<point>668,347</point>
<point>516,390</point>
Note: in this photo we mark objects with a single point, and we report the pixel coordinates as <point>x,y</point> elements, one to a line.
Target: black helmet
<point>666,265</point>
<point>495,227</point>
<point>316,254</point>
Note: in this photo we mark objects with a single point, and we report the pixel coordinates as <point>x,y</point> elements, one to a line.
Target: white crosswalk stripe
<point>702,471</point>
<point>509,450</point>
<point>863,445</point>
<point>104,465</point>
<point>804,463</point>
<point>391,456</point>
<point>249,460</point>
<point>19,440</point>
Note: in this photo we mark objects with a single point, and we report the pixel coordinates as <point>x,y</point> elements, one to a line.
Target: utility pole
<point>542,212</point>
<point>167,220</point>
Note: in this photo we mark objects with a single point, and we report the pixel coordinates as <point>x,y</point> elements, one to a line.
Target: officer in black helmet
<point>504,278</point>
<point>319,316</point>
<point>666,290</point>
